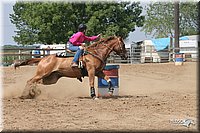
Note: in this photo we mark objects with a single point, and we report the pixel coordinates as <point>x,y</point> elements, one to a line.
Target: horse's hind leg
<point>31,90</point>
<point>51,79</point>
<point>102,75</point>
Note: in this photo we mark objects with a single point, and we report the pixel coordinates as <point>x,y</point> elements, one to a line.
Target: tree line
<point>159,20</point>
<point>55,22</point>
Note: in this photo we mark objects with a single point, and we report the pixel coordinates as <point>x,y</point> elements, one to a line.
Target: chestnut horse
<point>50,68</point>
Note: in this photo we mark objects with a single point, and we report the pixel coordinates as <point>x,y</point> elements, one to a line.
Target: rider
<point>76,43</point>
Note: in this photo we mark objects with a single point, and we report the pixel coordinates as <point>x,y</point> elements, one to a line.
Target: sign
<point>188,43</point>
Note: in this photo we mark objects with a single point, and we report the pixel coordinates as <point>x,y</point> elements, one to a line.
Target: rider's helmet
<point>82,27</point>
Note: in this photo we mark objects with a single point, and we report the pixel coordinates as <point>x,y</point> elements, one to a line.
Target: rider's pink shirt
<point>80,37</point>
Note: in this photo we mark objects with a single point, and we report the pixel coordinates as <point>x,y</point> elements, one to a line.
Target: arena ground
<point>152,97</point>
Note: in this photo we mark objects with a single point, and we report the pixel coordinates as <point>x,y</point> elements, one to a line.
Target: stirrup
<point>80,64</point>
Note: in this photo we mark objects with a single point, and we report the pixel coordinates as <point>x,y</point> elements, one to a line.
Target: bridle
<point>121,49</point>
<point>110,49</point>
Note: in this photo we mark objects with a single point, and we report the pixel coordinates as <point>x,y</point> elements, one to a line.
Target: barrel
<point>178,59</point>
<point>112,72</point>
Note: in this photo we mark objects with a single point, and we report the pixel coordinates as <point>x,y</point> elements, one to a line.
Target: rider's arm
<point>75,39</point>
<point>92,38</point>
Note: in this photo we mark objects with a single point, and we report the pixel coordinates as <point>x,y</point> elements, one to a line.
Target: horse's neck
<point>104,51</point>
<point>102,48</point>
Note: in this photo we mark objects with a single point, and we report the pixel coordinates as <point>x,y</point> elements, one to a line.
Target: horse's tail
<point>27,62</point>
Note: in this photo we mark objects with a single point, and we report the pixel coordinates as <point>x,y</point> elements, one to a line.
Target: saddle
<point>81,64</point>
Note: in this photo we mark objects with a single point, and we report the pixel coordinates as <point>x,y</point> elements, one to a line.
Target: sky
<point>7,28</point>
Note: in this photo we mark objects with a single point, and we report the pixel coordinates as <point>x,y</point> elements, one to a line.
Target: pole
<point>176,26</point>
<point>170,48</point>
<point>19,57</point>
<point>178,56</point>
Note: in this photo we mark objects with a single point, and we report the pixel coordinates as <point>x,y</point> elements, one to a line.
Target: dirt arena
<point>152,97</point>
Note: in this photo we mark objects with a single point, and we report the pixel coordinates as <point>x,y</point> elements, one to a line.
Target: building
<point>189,48</point>
<point>161,49</point>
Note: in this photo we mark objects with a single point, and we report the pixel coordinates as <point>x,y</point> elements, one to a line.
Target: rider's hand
<point>81,47</point>
<point>83,44</point>
<point>99,35</point>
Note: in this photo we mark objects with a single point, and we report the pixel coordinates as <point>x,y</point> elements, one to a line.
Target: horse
<point>50,68</point>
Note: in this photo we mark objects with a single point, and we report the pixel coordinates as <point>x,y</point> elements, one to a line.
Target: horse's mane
<point>103,40</point>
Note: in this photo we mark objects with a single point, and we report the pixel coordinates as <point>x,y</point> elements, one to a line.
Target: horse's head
<point>111,43</point>
<point>120,49</point>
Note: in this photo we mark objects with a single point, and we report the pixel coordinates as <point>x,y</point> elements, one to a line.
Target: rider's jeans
<point>79,52</point>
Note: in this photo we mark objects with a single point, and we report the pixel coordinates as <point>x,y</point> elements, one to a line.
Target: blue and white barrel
<point>112,72</point>
<point>179,59</point>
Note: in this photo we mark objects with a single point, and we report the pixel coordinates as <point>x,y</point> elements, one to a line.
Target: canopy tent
<point>163,43</point>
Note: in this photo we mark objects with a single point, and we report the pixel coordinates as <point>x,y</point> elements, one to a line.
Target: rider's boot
<point>74,64</point>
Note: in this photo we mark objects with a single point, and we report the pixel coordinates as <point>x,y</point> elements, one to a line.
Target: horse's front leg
<point>91,75</point>
<point>102,75</point>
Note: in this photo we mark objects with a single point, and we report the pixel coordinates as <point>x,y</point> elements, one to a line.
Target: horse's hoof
<point>22,97</point>
<point>32,93</point>
<point>25,97</point>
<point>93,95</point>
<point>110,93</point>
<point>37,92</point>
<point>95,98</point>
<point>80,79</point>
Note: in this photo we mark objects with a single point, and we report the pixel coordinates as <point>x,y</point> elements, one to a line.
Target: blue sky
<point>7,28</point>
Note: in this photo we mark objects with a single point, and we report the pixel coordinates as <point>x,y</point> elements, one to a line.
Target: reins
<point>87,52</point>
<point>120,47</point>
<point>96,54</point>
<point>111,49</point>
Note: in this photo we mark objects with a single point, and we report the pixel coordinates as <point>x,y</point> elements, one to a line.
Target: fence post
<point>170,48</point>
<point>43,52</point>
<point>31,54</point>
<point>151,57</point>
<point>19,57</point>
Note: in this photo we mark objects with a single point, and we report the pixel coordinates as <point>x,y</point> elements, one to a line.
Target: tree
<point>48,23</point>
<point>159,20</point>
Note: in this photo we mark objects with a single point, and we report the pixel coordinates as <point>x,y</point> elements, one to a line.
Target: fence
<point>135,55</point>
<point>148,54</point>
<point>10,55</point>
